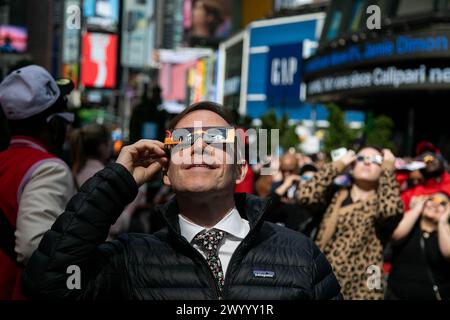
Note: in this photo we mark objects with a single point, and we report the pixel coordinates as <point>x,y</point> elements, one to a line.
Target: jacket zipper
<point>205,265</point>
<point>237,253</point>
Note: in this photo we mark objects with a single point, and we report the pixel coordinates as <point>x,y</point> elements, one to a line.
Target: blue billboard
<point>275,55</point>
<point>101,15</point>
<point>283,79</point>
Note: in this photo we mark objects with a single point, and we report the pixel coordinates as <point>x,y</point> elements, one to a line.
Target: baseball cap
<point>29,91</point>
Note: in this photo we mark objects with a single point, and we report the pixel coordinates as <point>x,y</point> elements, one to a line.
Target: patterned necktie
<point>208,241</point>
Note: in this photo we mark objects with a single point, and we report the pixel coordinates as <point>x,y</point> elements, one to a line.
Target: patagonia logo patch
<point>263,274</point>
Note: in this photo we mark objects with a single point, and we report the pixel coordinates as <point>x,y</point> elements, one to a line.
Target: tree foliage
<point>380,134</point>
<point>287,135</point>
<point>339,135</point>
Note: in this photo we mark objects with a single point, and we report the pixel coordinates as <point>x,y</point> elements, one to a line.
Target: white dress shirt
<point>236,230</point>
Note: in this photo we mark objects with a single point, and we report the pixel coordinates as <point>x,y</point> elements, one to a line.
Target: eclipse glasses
<point>186,137</point>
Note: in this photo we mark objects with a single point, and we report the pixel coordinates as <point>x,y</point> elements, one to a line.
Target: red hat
<point>425,146</point>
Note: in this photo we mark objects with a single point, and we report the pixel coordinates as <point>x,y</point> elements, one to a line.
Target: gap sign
<point>284,66</point>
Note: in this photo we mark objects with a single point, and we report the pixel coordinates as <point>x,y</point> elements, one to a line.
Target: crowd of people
<point>370,209</point>
<point>367,225</point>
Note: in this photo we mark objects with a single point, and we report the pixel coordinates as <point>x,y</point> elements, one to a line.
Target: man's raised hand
<point>143,159</point>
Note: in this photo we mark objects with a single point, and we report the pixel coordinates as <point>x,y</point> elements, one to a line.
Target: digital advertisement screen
<point>13,39</point>
<point>138,33</point>
<point>99,60</point>
<point>207,21</point>
<point>101,15</point>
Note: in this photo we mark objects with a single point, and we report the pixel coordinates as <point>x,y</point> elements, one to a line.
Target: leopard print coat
<point>355,243</point>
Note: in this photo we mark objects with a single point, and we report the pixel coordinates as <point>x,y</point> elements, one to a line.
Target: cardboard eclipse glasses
<point>186,137</point>
<point>376,159</point>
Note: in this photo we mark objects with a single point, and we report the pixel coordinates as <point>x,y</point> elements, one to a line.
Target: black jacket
<point>164,265</point>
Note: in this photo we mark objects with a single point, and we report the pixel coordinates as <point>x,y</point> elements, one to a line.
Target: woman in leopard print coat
<point>350,234</point>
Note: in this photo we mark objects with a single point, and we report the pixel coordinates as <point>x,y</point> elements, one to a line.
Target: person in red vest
<point>35,185</point>
<point>437,179</point>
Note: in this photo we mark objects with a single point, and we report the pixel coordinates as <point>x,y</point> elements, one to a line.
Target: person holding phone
<point>357,218</point>
<point>421,251</point>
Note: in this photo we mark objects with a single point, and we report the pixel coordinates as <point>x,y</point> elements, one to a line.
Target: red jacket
<point>430,186</point>
<point>17,165</point>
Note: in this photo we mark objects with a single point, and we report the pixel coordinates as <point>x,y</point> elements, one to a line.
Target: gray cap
<point>29,91</point>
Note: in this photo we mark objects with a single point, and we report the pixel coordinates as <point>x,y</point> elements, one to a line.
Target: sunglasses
<point>186,137</point>
<point>377,159</point>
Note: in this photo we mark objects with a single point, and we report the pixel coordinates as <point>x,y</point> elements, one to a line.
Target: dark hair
<point>4,131</point>
<point>380,150</point>
<point>308,168</point>
<point>85,143</point>
<point>34,125</point>
<point>204,105</point>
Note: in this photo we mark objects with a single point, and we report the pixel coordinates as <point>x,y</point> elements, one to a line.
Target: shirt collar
<point>24,141</point>
<point>232,224</point>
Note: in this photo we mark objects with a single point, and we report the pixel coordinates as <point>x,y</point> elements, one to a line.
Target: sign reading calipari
<point>391,77</point>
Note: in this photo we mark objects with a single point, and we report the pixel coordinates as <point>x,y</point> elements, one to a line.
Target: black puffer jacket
<point>165,265</point>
